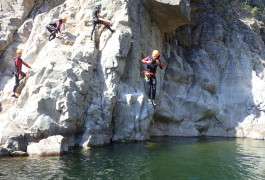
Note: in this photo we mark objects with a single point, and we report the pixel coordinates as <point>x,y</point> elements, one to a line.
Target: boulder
<point>53,145</point>
<point>18,154</point>
<point>4,152</point>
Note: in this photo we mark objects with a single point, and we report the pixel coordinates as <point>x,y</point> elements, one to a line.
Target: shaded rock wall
<point>170,14</point>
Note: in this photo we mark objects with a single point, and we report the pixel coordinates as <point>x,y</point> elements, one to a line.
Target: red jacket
<point>57,24</point>
<point>151,68</point>
<point>18,64</point>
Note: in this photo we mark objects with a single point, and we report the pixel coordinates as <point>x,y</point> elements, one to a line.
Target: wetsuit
<point>150,77</point>
<point>96,21</point>
<point>18,71</point>
<point>54,27</point>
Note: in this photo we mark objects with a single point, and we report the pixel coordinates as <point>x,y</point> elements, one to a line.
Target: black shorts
<point>51,28</point>
<point>17,77</point>
<point>95,22</point>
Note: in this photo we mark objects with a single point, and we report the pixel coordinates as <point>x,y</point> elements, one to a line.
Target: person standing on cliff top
<point>96,20</point>
<point>55,26</point>
<point>151,64</point>
<point>19,75</point>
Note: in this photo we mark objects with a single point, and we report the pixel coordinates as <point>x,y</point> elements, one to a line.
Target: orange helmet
<point>64,19</point>
<point>19,51</point>
<point>155,53</point>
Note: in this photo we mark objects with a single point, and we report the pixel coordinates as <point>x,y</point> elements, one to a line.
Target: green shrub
<point>249,8</point>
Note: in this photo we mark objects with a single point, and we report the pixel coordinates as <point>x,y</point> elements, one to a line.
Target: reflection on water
<point>251,158</point>
<point>162,158</point>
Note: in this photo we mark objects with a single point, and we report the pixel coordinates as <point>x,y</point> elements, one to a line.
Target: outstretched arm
<point>26,64</point>
<point>145,60</point>
<point>99,14</point>
<point>58,25</point>
<point>160,64</point>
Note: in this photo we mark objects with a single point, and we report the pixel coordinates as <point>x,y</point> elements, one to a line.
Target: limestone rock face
<point>83,92</point>
<point>168,14</point>
<point>13,13</point>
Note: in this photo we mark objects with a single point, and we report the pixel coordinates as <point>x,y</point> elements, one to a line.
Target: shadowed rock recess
<point>91,93</point>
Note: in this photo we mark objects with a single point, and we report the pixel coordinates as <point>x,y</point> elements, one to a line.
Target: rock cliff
<point>89,93</point>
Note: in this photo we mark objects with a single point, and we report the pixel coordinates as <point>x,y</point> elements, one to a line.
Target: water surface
<point>161,159</point>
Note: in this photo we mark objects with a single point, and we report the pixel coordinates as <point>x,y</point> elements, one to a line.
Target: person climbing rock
<point>96,20</point>
<point>151,64</point>
<point>19,75</point>
<point>55,26</point>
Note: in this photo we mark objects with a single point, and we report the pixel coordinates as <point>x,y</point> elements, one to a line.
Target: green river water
<point>159,159</point>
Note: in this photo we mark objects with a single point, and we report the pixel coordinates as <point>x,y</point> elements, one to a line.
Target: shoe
<point>149,101</point>
<point>14,96</point>
<point>154,103</point>
<point>112,31</point>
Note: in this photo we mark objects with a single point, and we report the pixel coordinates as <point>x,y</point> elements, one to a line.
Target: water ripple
<point>163,158</point>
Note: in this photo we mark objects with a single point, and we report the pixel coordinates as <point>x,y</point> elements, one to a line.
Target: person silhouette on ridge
<point>96,20</point>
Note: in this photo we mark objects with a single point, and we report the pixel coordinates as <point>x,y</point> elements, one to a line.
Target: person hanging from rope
<point>150,79</point>
<point>55,26</point>
<point>19,75</point>
<point>96,20</point>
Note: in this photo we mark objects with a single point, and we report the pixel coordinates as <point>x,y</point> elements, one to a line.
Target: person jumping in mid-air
<point>151,64</point>
<point>18,70</point>
<point>55,27</point>
<point>96,20</point>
